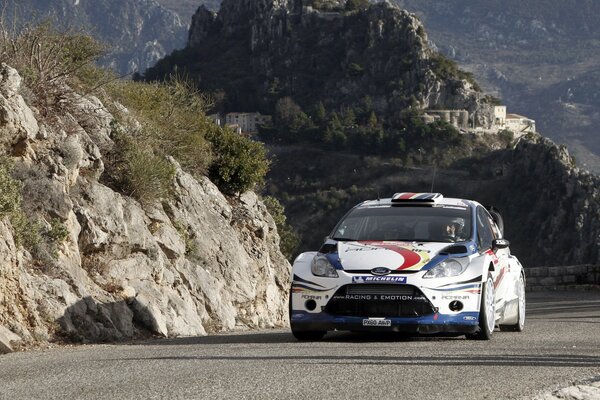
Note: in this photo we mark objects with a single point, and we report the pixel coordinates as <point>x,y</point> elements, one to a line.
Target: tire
<point>520,325</point>
<point>487,311</point>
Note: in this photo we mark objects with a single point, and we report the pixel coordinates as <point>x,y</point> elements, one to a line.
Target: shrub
<point>172,117</point>
<point>136,171</point>
<point>10,191</point>
<point>26,232</point>
<point>240,163</point>
<point>289,240</point>
<point>49,60</point>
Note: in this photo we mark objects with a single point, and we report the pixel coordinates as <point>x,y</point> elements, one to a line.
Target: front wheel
<point>487,312</point>
<point>520,325</point>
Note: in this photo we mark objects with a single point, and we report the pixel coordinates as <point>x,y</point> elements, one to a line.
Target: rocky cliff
<point>137,32</point>
<point>551,208</point>
<point>259,51</point>
<point>116,269</point>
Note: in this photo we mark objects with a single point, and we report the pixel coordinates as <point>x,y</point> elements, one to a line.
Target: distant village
<point>466,122</point>
<point>248,123</point>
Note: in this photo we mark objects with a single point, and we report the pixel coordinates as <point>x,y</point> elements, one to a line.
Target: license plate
<point>377,322</point>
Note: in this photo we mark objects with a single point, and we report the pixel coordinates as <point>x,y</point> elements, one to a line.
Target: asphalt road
<point>560,345</point>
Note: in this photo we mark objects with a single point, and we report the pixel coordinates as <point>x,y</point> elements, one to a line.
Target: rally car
<point>416,262</point>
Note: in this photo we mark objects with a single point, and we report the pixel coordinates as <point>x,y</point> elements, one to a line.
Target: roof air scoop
<point>417,197</point>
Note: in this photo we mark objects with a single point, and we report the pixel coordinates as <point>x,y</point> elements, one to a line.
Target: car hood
<point>402,256</point>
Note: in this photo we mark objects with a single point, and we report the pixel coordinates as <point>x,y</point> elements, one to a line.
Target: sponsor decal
<point>311,297</point>
<point>386,279</point>
<point>456,297</point>
<point>378,297</point>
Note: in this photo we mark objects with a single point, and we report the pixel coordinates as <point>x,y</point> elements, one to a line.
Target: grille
<point>392,272</point>
<point>379,300</point>
<point>399,290</point>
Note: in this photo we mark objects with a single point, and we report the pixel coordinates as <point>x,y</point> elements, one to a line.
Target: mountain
<point>540,56</point>
<point>347,83</point>
<point>186,8</point>
<point>137,32</point>
<point>259,52</point>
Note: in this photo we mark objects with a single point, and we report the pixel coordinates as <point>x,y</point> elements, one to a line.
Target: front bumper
<point>465,322</point>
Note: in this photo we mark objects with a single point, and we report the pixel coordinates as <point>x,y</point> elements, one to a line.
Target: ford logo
<point>381,271</point>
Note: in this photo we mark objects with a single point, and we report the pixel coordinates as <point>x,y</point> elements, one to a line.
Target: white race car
<point>416,262</point>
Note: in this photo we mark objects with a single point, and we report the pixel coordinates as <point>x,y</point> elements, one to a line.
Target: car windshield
<point>405,223</point>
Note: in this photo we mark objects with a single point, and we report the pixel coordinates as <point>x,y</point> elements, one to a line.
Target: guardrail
<point>574,277</point>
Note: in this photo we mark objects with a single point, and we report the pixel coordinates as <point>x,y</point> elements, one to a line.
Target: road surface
<point>561,345</point>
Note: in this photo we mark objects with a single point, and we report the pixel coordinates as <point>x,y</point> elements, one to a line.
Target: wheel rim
<point>490,306</point>
<point>521,303</point>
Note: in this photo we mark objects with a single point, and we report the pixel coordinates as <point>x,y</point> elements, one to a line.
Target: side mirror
<point>500,244</point>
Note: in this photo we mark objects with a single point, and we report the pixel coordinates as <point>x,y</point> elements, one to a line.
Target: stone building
<point>248,122</point>
<point>457,118</point>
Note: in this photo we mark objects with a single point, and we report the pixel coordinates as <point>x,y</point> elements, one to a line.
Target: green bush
<point>26,231</point>
<point>172,117</point>
<point>240,163</point>
<point>48,59</point>
<point>289,240</point>
<point>10,191</point>
<point>135,170</point>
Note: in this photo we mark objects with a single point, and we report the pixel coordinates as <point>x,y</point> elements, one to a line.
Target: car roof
<point>417,199</point>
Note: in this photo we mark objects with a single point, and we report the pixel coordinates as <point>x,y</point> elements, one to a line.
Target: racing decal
<point>499,277</point>
<point>385,279</point>
<point>300,285</point>
<point>494,256</point>
<point>296,278</point>
<point>300,288</point>
<point>416,196</point>
<point>412,257</point>
<point>478,279</point>
<point>466,288</point>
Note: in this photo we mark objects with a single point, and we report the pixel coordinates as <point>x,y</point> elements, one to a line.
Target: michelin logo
<point>387,279</point>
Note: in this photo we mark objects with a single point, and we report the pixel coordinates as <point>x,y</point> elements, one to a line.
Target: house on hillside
<point>513,122</point>
<point>458,118</point>
<point>248,122</point>
<point>519,124</point>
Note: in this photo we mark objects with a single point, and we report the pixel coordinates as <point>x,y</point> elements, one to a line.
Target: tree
<point>352,5</point>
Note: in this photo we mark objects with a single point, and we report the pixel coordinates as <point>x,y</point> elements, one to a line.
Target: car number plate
<point>377,322</point>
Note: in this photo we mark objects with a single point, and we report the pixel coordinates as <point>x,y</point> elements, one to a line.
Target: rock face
<point>138,32</point>
<point>551,208</point>
<point>552,205</point>
<point>198,264</point>
<point>267,49</point>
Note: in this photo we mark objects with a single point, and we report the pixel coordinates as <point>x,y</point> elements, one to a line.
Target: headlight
<point>320,266</point>
<point>445,269</point>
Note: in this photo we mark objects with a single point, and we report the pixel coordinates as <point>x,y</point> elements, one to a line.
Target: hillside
<point>112,225</point>
<point>550,207</point>
<point>332,146</point>
<point>540,56</point>
<point>137,32</point>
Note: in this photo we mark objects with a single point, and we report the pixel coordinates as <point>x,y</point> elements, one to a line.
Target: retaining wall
<point>574,277</point>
